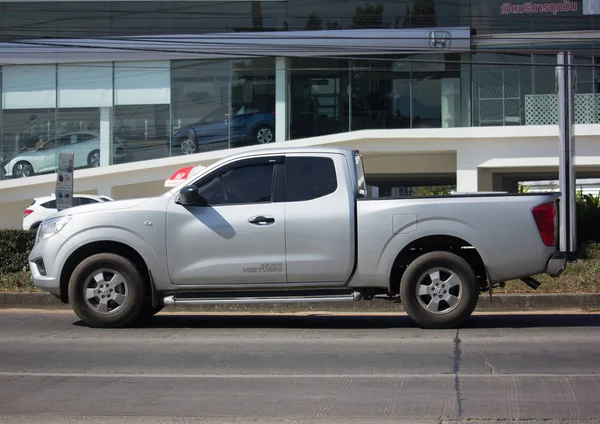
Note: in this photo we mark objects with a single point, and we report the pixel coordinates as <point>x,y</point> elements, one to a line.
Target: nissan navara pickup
<point>290,225</point>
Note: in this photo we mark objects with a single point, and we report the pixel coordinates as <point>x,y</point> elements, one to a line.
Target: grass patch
<point>17,282</point>
<point>579,277</point>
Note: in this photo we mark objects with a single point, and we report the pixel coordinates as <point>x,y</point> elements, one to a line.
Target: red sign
<point>182,175</point>
<point>555,8</point>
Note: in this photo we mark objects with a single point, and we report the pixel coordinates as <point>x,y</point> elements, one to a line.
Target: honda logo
<point>439,39</point>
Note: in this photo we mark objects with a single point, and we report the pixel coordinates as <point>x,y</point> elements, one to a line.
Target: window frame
<point>278,162</point>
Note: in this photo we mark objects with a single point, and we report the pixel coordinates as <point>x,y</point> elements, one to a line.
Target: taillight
<point>27,212</point>
<point>545,219</point>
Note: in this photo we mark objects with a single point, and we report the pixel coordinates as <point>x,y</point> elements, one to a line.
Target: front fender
<point>120,235</point>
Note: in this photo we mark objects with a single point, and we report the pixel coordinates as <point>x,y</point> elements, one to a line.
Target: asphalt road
<point>185,368</point>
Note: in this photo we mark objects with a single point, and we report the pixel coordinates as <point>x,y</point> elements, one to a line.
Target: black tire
<point>34,226</point>
<point>418,274</point>
<point>264,134</point>
<point>135,295</point>
<point>23,169</point>
<point>93,159</point>
<point>149,311</point>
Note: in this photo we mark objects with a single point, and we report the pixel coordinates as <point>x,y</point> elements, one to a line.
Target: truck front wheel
<point>439,290</point>
<point>107,290</point>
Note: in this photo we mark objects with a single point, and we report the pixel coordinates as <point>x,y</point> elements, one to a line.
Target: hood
<point>102,206</point>
<point>19,155</point>
<point>6,160</point>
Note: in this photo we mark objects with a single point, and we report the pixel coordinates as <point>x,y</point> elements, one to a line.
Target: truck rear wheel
<point>107,290</point>
<point>439,290</point>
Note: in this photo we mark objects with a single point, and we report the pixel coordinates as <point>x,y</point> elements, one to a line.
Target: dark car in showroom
<point>248,125</point>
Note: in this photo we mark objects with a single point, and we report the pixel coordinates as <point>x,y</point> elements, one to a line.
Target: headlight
<point>51,226</point>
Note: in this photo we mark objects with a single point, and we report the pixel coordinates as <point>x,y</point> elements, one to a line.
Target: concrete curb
<point>498,303</point>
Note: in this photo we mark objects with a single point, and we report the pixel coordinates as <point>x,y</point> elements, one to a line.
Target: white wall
<point>473,153</point>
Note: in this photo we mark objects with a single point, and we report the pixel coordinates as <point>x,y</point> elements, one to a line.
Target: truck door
<point>239,237</point>
<point>319,218</point>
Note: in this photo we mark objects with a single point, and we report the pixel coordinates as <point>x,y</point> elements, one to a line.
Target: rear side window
<point>309,178</point>
<point>50,205</point>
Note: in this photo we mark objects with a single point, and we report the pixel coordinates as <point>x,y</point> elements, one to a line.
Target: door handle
<point>261,220</point>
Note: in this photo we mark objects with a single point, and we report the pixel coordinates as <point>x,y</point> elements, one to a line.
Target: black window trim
<point>277,162</point>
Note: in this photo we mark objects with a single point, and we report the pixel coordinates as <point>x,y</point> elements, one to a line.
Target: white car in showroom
<point>85,145</point>
<point>43,207</point>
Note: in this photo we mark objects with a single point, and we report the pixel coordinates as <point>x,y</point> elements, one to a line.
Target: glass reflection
<point>24,133</point>
<point>200,93</point>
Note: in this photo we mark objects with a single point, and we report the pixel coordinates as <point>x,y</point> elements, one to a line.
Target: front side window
<point>246,184</point>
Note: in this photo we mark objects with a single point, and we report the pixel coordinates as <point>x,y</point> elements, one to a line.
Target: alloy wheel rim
<point>188,147</point>
<point>105,291</point>
<point>439,290</point>
<point>264,135</point>
<point>22,170</point>
<point>95,159</point>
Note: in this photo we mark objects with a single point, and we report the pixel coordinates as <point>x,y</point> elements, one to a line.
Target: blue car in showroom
<point>247,126</point>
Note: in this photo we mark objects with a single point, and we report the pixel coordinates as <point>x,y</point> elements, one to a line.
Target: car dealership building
<point>444,92</point>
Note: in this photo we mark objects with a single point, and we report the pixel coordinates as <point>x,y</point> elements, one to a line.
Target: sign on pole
<point>565,79</point>
<point>64,181</point>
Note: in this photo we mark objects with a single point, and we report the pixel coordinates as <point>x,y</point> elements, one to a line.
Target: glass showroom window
<point>435,90</point>
<point>200,92</point>
<point>83,118</point>
<point>253,102</point>
<point>28,116</point>
<point>501,83</point>
<point>380,93</point>
<point>319,97</point>
<point>541,107</point>
<point>418,91</point>
<point>141,116</point>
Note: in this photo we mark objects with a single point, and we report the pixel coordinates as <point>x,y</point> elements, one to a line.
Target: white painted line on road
<point>309,376</point>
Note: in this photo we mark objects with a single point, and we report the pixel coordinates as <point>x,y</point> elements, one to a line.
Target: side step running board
<point>350,297</point>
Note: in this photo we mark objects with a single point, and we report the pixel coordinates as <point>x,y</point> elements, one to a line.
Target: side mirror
<point>189,196</point>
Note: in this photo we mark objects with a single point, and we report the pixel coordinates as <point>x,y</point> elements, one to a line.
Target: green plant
<point>432,190</point>
<point>522,188</point>
<point>15,246</point>
<point>588,218</point>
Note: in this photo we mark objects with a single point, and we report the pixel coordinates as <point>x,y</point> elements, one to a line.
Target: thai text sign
<point>555,8</point>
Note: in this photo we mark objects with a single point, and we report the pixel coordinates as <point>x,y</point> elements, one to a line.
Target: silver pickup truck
<point>292,225</point>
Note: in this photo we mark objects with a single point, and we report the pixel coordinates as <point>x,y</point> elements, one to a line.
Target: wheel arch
<point>432,243</point>
<point>35,225</point>
<point>95,247</point>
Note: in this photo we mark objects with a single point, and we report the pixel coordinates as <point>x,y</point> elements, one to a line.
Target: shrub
<point>15,246</point>
<point>588,218</point>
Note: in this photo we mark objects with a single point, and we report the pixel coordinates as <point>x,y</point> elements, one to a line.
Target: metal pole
<point>570,92</point>
<point>564,78</point>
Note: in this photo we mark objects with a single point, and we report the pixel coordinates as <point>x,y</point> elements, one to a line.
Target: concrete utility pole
<point>565,83</point>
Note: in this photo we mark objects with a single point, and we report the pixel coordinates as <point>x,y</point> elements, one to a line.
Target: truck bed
<point>499,226</point>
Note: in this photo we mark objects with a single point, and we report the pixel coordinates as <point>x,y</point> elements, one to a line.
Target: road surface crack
<point>455,371</point>
<point>486,362</point>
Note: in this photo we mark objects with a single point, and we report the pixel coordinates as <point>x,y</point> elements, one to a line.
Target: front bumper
<point>44,264</point>
<point>556,264</point>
